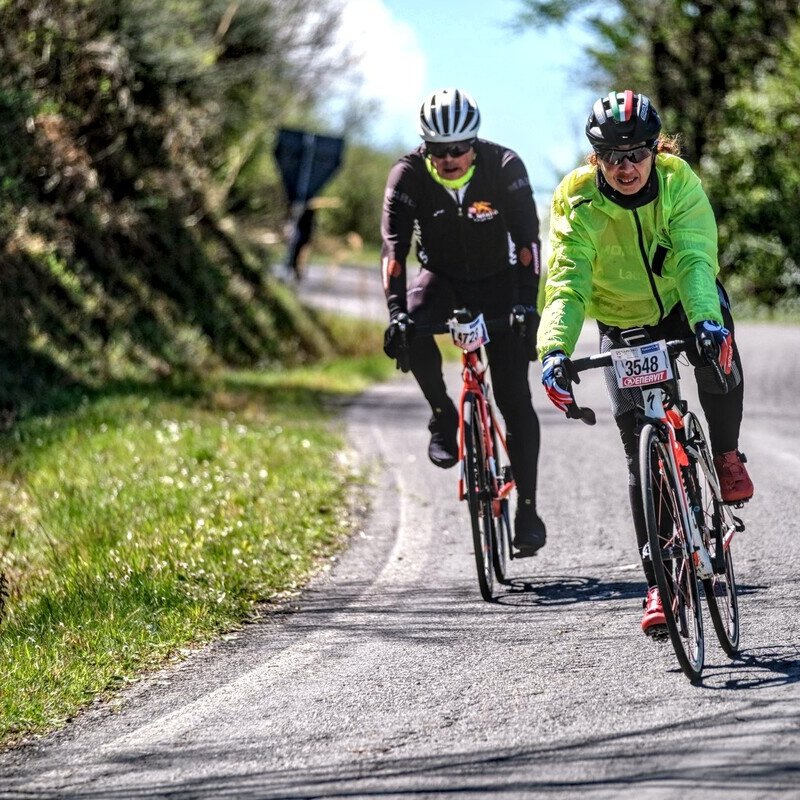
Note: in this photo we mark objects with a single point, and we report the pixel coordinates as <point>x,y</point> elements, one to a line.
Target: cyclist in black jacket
<point>468,206</point>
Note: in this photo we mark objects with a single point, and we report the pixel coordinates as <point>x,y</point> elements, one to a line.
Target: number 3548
<point>642,365</point>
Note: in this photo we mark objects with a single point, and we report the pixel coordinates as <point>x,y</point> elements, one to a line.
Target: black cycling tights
<point>431,299</point>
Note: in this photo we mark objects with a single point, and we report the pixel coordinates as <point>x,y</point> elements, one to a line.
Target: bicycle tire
<point>720,590</point>
<point>480,506</point>
<point>502,521</point>
<point>502,546</point>
<point>669,551</point>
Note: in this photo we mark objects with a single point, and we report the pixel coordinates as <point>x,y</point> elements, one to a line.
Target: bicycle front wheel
<point>476,478</point>
<point>720,588</point>
<point>669,546</point>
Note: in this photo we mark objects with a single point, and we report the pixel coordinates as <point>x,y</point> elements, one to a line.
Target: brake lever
<point>709,352</point>
<point>583,413</point>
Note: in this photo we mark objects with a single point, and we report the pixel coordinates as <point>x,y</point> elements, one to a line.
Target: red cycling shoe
<point>734,482</point>
<point>653,622</point>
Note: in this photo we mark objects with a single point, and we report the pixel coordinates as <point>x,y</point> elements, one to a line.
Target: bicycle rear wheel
<point>476,479</point>
<point>502,542</point>
<point>501,510</point>
<point>670,554</point>
<point>720,589</point>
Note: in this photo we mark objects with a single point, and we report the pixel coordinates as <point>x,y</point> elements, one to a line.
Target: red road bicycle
<point>689,528</point>
<point>485,480</point>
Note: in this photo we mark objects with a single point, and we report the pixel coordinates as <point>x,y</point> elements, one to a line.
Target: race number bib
<point>469,335</point>
<point>644,365</point>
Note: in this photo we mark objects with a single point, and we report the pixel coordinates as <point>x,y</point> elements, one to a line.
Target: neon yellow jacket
<point>628,267</point>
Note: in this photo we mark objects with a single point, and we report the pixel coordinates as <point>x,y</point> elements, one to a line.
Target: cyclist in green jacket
<point>634,244</point>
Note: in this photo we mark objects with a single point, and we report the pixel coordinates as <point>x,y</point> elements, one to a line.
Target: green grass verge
<point>149,521</point>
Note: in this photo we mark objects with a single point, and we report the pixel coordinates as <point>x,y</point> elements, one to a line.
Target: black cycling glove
<point>525,324</point>
<point>396,338</point>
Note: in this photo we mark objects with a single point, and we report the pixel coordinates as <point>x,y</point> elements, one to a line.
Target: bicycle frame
<point>669,421</point>
<point>667,413</point>
<point>485,480</point>
<point>678,481</point>
<point>473,371</point>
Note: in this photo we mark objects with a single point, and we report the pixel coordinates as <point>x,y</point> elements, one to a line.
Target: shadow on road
<point>700,761</point>
<point>760,668</point>
<point>559,590</point>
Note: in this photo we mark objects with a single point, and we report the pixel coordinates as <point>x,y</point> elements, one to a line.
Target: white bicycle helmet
<point>449,115</point>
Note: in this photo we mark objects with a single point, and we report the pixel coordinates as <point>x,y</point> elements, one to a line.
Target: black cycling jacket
<point>493,231</point>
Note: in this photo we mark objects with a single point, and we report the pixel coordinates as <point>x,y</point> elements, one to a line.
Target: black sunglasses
<point>452,149</point>
<point>614,157</point>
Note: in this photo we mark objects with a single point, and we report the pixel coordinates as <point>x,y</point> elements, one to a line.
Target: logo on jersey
<point>481,211</point>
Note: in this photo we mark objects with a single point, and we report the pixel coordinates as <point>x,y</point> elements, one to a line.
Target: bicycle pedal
<point>657,632</point>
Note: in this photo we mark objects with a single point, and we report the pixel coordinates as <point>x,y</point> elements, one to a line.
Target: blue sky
<point>530,87</point>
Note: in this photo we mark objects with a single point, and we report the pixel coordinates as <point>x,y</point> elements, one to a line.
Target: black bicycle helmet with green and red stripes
<point>622,118</point>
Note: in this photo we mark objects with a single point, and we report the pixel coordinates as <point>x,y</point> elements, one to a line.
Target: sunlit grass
<point>148,521</point>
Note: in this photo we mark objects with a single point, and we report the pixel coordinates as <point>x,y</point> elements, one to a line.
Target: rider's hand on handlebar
<point>525,323</point>
<point>396,338</point>
<point>557,380</point>
<point>715,343</point>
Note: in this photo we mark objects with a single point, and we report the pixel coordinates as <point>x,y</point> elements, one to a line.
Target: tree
<point>724,75</point>
<point>125,130</point>
<point>686,54</point>
<point>754,175</point>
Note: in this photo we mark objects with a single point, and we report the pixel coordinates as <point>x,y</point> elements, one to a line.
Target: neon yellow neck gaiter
<point>456,184</point>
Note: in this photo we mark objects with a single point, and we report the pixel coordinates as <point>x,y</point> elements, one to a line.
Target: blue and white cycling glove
<point>558,387</point>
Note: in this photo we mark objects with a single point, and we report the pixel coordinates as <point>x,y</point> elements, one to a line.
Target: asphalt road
<point>391,678</point>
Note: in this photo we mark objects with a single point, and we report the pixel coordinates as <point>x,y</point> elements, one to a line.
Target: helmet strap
<point>455,184</point>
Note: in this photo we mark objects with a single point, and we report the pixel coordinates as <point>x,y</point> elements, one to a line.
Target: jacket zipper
<point>648,267</point>
<point>461,232</point>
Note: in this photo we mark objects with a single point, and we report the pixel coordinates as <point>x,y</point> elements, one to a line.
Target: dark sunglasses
<point>614,157</point>
<point>452,149</point>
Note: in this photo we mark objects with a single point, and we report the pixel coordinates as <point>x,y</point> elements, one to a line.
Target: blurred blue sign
<point>307,161</point>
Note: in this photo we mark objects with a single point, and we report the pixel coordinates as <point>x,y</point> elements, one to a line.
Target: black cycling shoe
<point>530,533</point>
<point>443,447</point>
